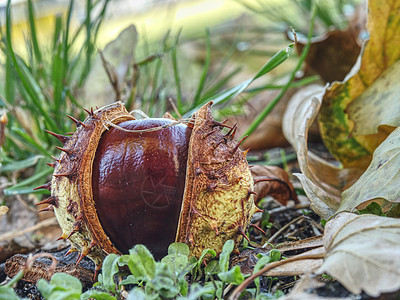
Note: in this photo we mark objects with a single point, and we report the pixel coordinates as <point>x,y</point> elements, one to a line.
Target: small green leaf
<point>21,164</point>
<point>234,276</point>
<point>261,263</point>
<point>179,248</point>
<point>176,262</point>
<point>8,293</point>
<point>224,256</point>
<point>64,295</point>
<point>137,294</point>
<point>183,286</point>
<point>66,282</point>
<point>109,269</point>
<point>214,289</point>
<point>45,288</point>
<point>275,255</point>
<point>61,286</point>
<point>177,259</point>
<point>141,263</point>
<point>197,291</point>
<point>209,253</point>
<point>129,280</point>
<point>212,268</point>
<point>163,282</point>
<point>96,294</point>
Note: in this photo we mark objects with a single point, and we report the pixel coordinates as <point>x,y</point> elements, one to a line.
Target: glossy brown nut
<point>138,183</point>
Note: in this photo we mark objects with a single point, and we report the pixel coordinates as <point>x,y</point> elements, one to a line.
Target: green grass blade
<point>213,90</point>
<point>57,77</point>
<point>29,141</point>
<point>299,83</point>
<point>157,75</point>
<point>57,32</point>
<point>272,63</point>
<point>24,75</point>
<point>66,36</point>
<point>21,164</point>
<point>176,74</point>
<point>264,113</point>
<point>26,186</point>
<point>206,67</point>
<point>34,39</point>
<point>10,82</point>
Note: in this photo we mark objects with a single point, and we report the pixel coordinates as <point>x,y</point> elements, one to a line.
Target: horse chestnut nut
<point>121,181</point>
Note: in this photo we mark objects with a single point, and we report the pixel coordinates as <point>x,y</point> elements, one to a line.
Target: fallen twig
<point>13,234</point>
<point>236,293</point>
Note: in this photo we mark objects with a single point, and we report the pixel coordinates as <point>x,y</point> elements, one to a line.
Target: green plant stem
<point>32,89</point>
<point>35,44</point>
<point>176,74</point>
<point>299,83</point>
<point>264,113</point>
<point>203,77</point>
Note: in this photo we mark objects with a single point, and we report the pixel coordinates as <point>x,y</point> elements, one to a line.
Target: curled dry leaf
<point>272,181</point>
<point>341,119</point>
<point>321,180</point>
<point>381,99</point>
<point>362,253</point>
<point>332,55</point>
<point>380,180</point>
<point>355,116</point>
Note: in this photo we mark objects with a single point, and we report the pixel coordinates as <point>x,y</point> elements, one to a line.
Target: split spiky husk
<point>218,199</point>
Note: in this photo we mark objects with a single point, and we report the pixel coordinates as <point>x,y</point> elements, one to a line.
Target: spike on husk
<point>52,165</point>
<point>70,250</point>
<point>46,186</point>
<point>50,200</point>
<point>77,122</point>
<point>48,208</point>
<point>68,151</point>
<point>62,138</point>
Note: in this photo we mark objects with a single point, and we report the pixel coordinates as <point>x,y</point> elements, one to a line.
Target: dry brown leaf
<point>277,184</point>
<point>336,119</point>
<point>332,55</point>
<point>381,179</point>
<point>321,180</point>
<point>362,253</point>
<point>367,106</point>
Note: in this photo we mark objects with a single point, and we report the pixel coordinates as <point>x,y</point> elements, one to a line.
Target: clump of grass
<point>42,87</point>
